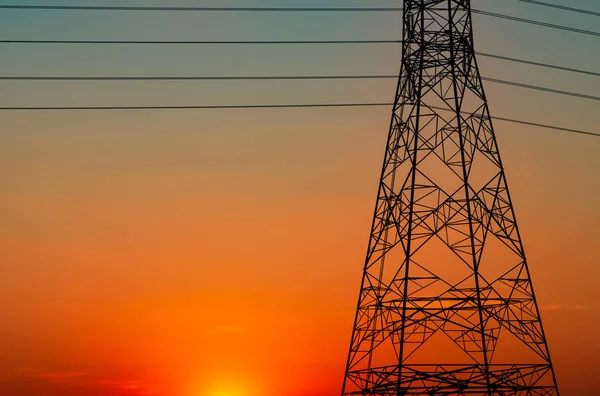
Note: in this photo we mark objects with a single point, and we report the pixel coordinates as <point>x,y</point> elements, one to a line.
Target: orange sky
<point>182,280</point>
<point>220,253</point>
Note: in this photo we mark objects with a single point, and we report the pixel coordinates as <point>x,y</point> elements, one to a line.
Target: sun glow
<point>226,392</point>
<point>226,388</point>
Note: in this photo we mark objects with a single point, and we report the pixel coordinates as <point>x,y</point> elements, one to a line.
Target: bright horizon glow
<point>225,387</point>
<point>226,390</point>
<point>226,393</point>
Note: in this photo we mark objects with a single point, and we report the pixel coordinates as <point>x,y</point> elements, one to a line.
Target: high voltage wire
<point>283,9</point>
<point>537,23</point>
<point>190,107</point>
<point>538,125</point>
<point>292,9</point>
<point>197,8</point>
<point>283,42</point>
<point>272,106</point>
<point>540,64</point>
<point>275,78</point>
<point>561,7</point>
<point>203,42</point>
<point>544,89</point>
<point>200,78</point>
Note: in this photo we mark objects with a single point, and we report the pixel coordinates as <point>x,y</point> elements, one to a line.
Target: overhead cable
<point>540,64</point>
<point>561,7</point>
<point>279,9</point>
<point>270,106</point>
<point>543,89</point>
<point>275,78</point>
<point>537,23</point>
<point>203,42</point>
<point>282,42</point>
<point>198,8</point>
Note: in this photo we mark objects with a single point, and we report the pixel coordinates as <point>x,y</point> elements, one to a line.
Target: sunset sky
<point>219,252</point>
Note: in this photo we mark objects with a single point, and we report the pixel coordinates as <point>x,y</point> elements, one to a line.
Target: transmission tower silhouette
<point>446,305</point>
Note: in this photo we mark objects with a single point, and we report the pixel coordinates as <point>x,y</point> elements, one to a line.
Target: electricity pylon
<point>446,305</point>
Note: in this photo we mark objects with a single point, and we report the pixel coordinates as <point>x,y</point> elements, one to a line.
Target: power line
<point>283,42</point>
<point>185,42</point>
<point>537,23</point>
<point>276,78</point>
<point>205,9</point>
<point>535,124</point>
<point>191,107</point>
<point>561,7</point>
<point>543,89</point>
<point>530,123</point>
<point>281,9</point>
<point>200,78</point>
<point>270,106</point>
<point>540,64</point>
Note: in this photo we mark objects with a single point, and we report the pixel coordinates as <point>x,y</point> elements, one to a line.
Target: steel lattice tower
<point>446,305</point>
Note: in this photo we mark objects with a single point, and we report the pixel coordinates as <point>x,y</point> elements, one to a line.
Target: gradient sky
<point>219,253</point>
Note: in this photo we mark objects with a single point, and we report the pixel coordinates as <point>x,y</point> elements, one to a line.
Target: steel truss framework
<point>445,266</point>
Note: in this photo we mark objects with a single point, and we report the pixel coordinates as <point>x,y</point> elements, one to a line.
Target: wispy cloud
<point>571,307</point>
<point>61,376</point>
<point>70,381</point>
<point>551,307</point>
<point>26,373</point>
<point>138,387</point>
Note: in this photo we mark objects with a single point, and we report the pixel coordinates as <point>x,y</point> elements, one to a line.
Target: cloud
<point>552,307</point>
<point>138,387</point>
<point>578,307</point>
<point>44,382</point>
<point>25,373</point>
<point>61,376</point>
<point>572,307</point>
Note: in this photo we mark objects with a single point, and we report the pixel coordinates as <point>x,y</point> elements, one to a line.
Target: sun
<point>225,385</point>
<point>225,389</point>
<point>226,392</point>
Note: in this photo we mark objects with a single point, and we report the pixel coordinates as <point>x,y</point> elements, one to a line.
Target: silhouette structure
<point>446,305</point>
